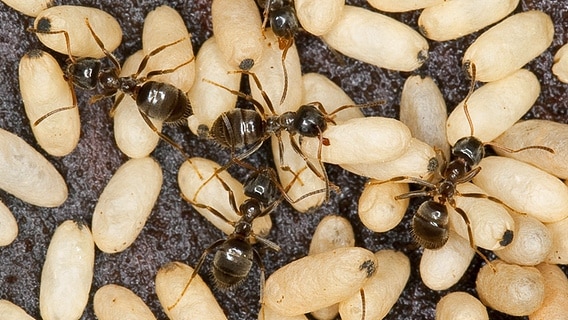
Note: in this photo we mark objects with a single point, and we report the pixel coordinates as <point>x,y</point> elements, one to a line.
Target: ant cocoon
<point>560,66</point>
<point>318,17</point>
<point>112,301</point>
<point>8,226</point>
<point>559,252</point>
<point>30,8</point>
<point>402,5</point>
<point>378,209</point>
<point>460,306</point>
<point>555,305</point>
<point>12,311</point>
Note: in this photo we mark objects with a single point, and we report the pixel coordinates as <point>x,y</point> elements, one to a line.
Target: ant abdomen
<point>431,225</point>
<point>238,128</point>
<point>232,263</point>
<point>163,101</point>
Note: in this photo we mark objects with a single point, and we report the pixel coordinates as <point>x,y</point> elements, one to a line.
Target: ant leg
<point>285,71</point>
<point>165,71</point>
<point>470,233</point>
<point>508,150</point>
<point>488,197</point>
<point>231,194</point>
<point>144,61</point>
<point>213,211</point>
<point>102,46</point>
<point>112,110</point>
<point>73,96</point>
<point>245,96</point>
<point>67,41</point>
<point>262,92</point>
<point>197,268</point>
<point>363,303</point>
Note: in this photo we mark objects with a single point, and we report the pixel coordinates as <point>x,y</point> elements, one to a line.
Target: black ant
<point>155,100</point>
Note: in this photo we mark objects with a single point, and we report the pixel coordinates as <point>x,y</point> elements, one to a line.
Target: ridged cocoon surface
<point>402,5</point>
<point>237,27</point>
<point>490,221</point>
<point>269,314</point>
<point>509,45</point>
<point>198,302</point>
<point>377,39</point>
<point>191,177</point>
<point>416,162</point>
<point>555,305</point>
<point>460,306</point>
<point>361,140</point>
<point>301,287</point>
<point>114,302</point>
<point>525,188</point>
<point>511,289</point>
<point>318,17</point>
<point>378,209</point>
<point>560,66</point>
<point>30,7</point>
<point>8,226</point>
<point>423,110</point>
<point>382,290</point>
<point>453,19</point>
<point>72,20</point>
<point>10,311</point>
<point>494,107</point>
<point>44,89</point>
<point>559,252</point>
<point>536,132</point>
<point>126,203</point>
<point>132,134</point>
<point>26,174</point>
<point>67,272</point>
<point>207,100</point>
<point>163,26</point>
<point>531,244</point>
<point>442,268</point>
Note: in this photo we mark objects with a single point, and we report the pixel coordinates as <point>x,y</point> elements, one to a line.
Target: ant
<point>155,100</point>
<point>430,222</point>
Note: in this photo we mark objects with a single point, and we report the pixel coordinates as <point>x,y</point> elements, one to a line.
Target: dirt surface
<point>175,231</point>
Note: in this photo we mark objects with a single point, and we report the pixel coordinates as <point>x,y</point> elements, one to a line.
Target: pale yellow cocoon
<point>494,107</point>
<point>67,273</point>
<point>377,39</point>
<point>269,314</point>
<point>525,188</point>
<point>378,209</point>
<point>114,302</point>
<point>318,17</point>
<point>555,305</point>
<point>197,303</point>
<point>126,203</point>
<point>457,18</point>
<point>460,306</point>
<point>559,252</point>
<point>382,290</point>
<point>8,226</point>
<point>27,175</point>
<point>402,5</point>
<point>511,289</point>
<point>44,89</point>
<point>30,7</point>
<point>163,26</point>
<point>509,45</point>
<point>72,20</point>
<point>301,287</point>
<point>442,268</point>
<point>560,66</point>
<point>10,311</point>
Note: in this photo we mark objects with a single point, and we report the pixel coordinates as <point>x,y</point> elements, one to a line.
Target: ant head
<point>84,73</point>
<point>309,121</point>
<point>232,263</point>
<point>430,225</point>
<point>284,24</point>
<point>469,149</point>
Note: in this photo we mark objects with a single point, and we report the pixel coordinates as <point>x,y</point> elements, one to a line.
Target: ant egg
<point>559,252</point>
<point>423,110</point>
<point>454,19</point>
<point>30,7</point>
<point>560,66</point>
<point>377,39</point>
<point>132,134</point>
<point>50,23</point>
<point>198,301</point>
<point>8,226</point>
<point>44,89</point>
<point>442,268</point>
<point>67,273</point>
<point>542,133</point>
<point>460,306</point>
<point>491,224</point>
<point>163,26</point>
<point>290,289</point>
<point>191,177</point>
<point>509,288</point>
<point>114,302</point>
<point>531,244</point>
<point>509,45</point>
<point>382,290</point>
<point>208,101</point>
<point>8,310</point>
<point>318,17</point>
<point>126,203</point>
<point>416,161</point>
<point>555,305</point>
<point>378,209</point>
<point>494,107</point>
<point>377,139</point>
<point>524,188</point>
<point>402,5</point>
<point>237,26</point>
<point>28,175</point>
